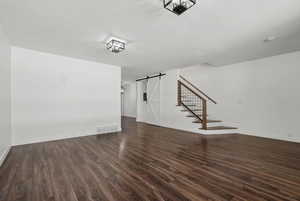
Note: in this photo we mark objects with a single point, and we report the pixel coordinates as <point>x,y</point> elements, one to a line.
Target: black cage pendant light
<point>178,6</point>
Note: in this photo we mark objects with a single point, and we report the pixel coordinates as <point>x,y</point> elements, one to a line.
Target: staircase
<point>194,102</point>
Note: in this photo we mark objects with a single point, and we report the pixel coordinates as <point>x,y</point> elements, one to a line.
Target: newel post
<point>178,93</point>
<point>204,113</point>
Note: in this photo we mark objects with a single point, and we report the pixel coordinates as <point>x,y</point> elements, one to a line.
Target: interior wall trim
<point>49,139</point>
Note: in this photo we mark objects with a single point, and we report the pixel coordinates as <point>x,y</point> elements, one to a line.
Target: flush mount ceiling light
<point>115,45</point>
<point>178,6</point>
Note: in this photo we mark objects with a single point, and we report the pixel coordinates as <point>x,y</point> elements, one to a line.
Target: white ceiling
<point>217,32</point>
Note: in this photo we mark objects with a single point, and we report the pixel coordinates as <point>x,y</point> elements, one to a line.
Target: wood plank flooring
<point>149,163</point>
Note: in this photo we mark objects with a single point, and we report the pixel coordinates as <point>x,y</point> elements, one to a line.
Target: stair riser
<point>219,127</point>
<point>218,132</point>
<point>210,124</point>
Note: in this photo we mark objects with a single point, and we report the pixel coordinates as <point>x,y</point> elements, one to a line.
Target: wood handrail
<point>191,90</point>
<point>204,94</point>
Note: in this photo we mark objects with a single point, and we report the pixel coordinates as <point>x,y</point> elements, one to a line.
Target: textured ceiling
<point>217,32</point>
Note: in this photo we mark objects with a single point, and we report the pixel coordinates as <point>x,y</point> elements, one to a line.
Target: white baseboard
<point>4,155</point>
<point>33,141</point>
<point>108,132</point>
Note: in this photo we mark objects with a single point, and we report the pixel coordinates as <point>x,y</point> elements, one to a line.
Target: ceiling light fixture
<point>115,45</point>
<point>178,6</point>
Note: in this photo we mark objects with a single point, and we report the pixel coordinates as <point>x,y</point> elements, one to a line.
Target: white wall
<point>5,115</point>
<point>55,97</point>
<point>129,97</point>
<point>261,97</point>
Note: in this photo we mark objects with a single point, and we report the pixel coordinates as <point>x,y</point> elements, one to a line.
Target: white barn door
<point>153,102</point>
<point>149,112</point>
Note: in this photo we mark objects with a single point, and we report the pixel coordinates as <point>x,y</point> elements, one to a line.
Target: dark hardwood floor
<point>150,163</point>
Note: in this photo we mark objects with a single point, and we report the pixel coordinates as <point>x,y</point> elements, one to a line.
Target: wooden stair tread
<point>186,105</point>
<point>208,121</point>
<point>219,128</point>
<point>191,115</point>
<point>194,110</point>
<point>191,105</point>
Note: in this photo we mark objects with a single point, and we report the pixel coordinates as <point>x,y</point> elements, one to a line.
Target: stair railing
<point>193,102</point>
<point>198,90</point>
